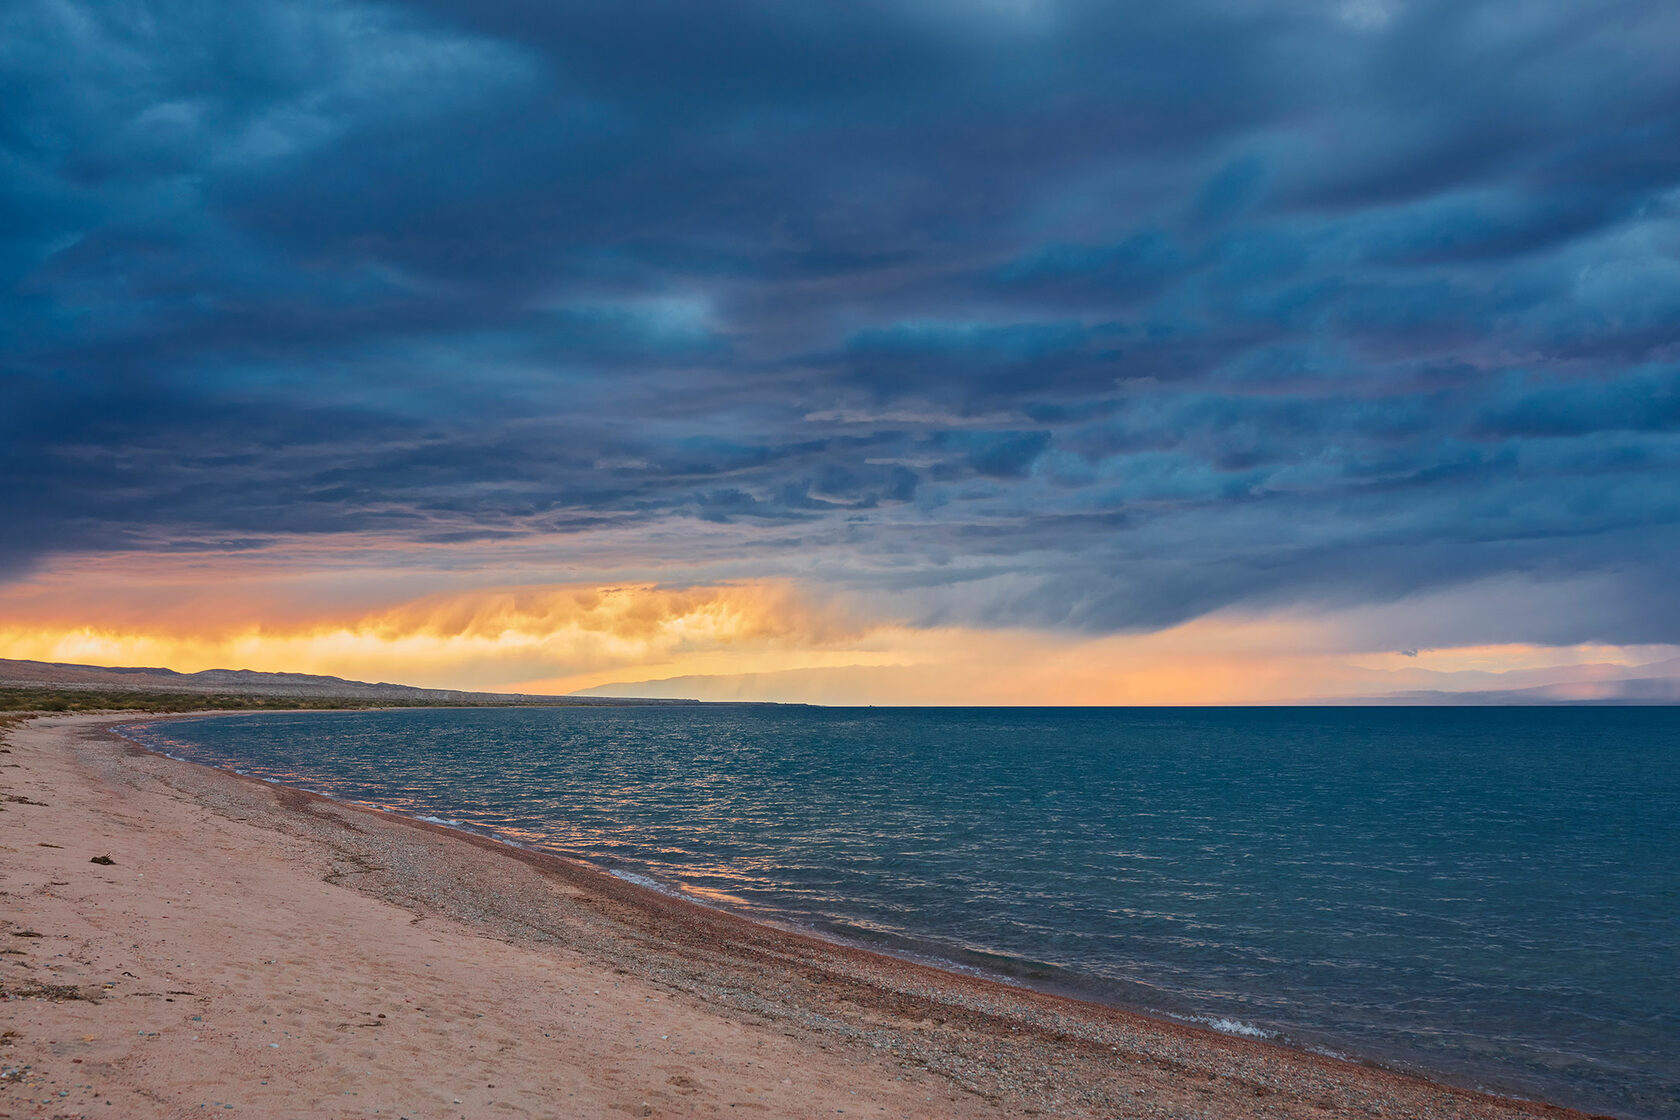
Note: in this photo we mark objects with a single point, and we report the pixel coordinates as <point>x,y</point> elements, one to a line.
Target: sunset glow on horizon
<point>752,641</point>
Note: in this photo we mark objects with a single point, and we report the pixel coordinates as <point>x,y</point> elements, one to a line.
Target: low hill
<point>57,676</point>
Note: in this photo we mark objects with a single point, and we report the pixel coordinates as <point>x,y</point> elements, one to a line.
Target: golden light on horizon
<point>749,640</point>
<point>480,639</point>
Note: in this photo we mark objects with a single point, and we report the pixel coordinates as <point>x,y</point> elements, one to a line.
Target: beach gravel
<point>255,949</point>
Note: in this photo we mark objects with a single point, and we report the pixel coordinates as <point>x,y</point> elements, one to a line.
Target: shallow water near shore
<point>1491,895</point>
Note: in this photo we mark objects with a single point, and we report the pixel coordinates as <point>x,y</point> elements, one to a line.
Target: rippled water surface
<point>1489,894</point>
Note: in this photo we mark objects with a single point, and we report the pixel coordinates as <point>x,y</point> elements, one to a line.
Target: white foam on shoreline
<point>1231,1026</point>
<point>644,881</point>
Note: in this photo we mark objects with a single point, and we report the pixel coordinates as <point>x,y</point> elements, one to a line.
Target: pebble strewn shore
<point>260,949</point>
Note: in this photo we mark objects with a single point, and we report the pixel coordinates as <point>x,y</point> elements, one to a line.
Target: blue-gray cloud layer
<point>1120,312</point>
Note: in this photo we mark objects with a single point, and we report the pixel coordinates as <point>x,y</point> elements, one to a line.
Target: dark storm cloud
<point>1135,311</point>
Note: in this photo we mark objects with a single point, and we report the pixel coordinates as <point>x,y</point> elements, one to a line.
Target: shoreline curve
<point>845,1020</point>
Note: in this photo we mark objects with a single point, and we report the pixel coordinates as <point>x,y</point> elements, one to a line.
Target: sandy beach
<point>259,950</point>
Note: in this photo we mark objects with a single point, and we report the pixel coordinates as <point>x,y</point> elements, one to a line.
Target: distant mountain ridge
<point>1656,682</point>
<point>1631,690</point>
<point>103,678</point>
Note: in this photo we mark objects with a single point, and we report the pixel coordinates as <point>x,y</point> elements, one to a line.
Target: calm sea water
<point>1491,895</point>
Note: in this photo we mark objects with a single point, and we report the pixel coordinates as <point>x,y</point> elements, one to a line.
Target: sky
<point>931,351</point>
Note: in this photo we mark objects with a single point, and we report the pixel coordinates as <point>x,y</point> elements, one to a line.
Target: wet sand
<point>258,950</point>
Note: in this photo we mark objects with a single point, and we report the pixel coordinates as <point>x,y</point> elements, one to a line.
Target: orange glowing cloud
<point>566,636</point>
<point>762,640</point>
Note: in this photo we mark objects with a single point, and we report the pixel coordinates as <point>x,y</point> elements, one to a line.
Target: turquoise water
<point>1490,895</point>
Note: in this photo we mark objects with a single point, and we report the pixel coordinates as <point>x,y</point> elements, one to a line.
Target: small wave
<point>1231,1026</point>
<point>439,820</point>
<point>638,880</point>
